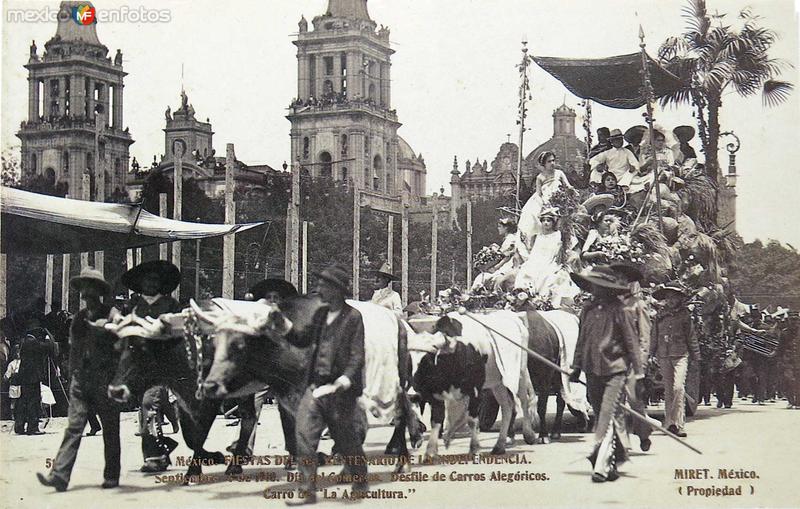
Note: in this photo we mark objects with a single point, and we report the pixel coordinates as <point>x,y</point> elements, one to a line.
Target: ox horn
<point>202,315</point>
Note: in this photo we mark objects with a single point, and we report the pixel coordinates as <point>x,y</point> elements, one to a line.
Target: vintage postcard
<point>462,253</point>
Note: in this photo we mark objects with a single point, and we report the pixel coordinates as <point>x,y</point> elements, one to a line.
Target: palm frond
<point>651,238</point>
<point>775,92</point>
<point>701,196</point>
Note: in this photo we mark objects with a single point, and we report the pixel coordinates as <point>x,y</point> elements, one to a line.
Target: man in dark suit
<point>92,362</point>
<point>33,353</point>
<point>335,383</point>
<point>153,282</point>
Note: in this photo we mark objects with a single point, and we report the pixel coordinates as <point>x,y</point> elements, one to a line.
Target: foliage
<point>712,56</point>
<point>767,274</point>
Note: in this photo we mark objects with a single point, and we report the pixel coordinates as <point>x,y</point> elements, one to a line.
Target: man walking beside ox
<point>608,352</point>
<point>335,383</point>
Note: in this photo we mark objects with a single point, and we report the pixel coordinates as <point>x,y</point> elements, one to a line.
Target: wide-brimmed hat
<point>684,133</point>
<point>614,211</point>
<point>386,271</point>
<point>628,270</point>
<point>551,212</point>
<point>635,134</point>
<point>90,277</point>
<point>615,133</point>
<point>284,288</point>
<point>337,276</point>
<point>597,200</point>
<point>168,273</point>
<point>600,276</point>
<point>672,286</point>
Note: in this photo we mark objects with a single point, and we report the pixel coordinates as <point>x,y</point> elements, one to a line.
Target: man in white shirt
<point>619,161</point>
<point>384,295</point>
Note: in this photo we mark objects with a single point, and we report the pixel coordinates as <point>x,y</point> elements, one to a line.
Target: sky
<point>454,81</point>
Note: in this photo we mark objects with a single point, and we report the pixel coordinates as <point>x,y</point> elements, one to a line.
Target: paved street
<point>748,437</point>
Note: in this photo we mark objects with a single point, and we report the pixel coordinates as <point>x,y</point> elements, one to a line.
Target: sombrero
<point>284,288</point>
<point>615,133</point>
<point>635,134</point>
<point>169,274</point>
<point>629,271</point>
<point>672,286</point>
<point>600,276</point>
<point>684,133</point>
<point>90,277</point>
<point>337,276</point>
<point>386,271</point>
<point>551,212</point>
<point>597,200</point>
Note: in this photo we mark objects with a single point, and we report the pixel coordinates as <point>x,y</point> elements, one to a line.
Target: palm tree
<point>711,56</point>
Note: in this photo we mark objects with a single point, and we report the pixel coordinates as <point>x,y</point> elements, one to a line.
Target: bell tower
<point>75,122</point>
<point>343,125</point>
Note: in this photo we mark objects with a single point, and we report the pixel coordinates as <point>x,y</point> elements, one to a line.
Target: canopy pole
<point>524,91</point>
<point>648,96</point>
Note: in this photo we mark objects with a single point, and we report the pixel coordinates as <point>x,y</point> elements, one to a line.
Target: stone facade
<point>343,126</point>
<point>75,122</point>
<point>481,181</point>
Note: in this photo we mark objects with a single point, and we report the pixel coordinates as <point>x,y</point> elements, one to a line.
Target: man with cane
<point>608,352</point>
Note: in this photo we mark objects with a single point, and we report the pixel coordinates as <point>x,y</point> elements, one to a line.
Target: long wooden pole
<point>390,242</point>
<point>177,209</point>
<point>648,95</point>
<point>65,262</point>
<point>434,245</point>
<point>356,239</point>
<point>404,206</point>
<point>524,89</point>
<point>305,257</point>
<point>229,242</point>
<point>162,211</point>
<point>86,194</point>
<point>197,269</point>
<point>295,239</point>
<point>469,243</point>
<point>48,284</point>
<point>100,180</point>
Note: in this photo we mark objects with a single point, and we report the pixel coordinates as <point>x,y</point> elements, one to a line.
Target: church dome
<point>404,149</point>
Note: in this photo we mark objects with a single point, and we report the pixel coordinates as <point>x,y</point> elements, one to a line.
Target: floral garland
<point>622,248</point>
<point>487,257</point>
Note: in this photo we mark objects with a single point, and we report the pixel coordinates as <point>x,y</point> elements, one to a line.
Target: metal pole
<point>469,243</point>
<point>648,95</point>
<point>552,365</point>
<point>305,258</point>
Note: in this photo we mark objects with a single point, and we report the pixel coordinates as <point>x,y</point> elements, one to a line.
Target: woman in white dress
<point>514,253</point>
<point>544,273</point>
<point>547,182</point>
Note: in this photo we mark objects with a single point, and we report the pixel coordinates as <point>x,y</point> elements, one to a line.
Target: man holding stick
<point>607,350</point>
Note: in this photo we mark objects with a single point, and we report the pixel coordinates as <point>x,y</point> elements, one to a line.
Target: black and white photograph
<point>399,253</point>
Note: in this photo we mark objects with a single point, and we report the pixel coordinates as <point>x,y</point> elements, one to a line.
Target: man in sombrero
<point>153,282</point>
<point>608,352</point>
<point>673,342</point>
<point>384,295</point>
<point>92,361</point>
<point>272,291</point>
<point>336,375</point>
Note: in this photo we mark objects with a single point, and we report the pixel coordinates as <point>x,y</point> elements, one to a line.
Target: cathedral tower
<point>343,124</point>
<point>75,122</point>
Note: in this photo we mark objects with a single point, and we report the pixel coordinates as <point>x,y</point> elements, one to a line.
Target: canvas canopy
<point>40,224</point>
<point>615,82</point>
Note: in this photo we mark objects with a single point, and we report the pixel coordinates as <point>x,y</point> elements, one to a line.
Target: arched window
<point>306,144</point>
<point>325,170</point>
<point>34,164</point>
<point>344,145</point>
<point>377,164</point>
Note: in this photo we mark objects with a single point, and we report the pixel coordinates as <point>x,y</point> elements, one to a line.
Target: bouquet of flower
<point>487,256</point>
<point>565,199</point>
<point>622,247</point>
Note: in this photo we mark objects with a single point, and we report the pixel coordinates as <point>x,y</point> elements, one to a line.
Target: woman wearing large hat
<point>153,281</point>
<point>607,349</point>
<point>273,290</point>
<point>384,295</point>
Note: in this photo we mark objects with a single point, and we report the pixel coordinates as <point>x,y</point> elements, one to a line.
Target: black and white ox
<point>465,356</point>
<point>250,348</point>
<point>155,352</point>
